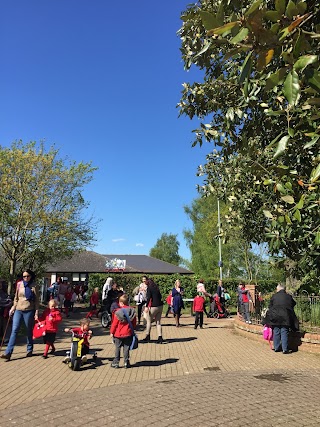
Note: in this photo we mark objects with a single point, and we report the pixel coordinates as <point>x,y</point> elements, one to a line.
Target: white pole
<point>220,253</point>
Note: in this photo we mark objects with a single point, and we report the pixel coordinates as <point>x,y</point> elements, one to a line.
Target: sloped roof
<point>92,262</point>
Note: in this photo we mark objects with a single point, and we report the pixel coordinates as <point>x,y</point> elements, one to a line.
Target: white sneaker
<point>247,321</point>
<point>250,322</point>
<point>84,359</point>
<point>66,359</point>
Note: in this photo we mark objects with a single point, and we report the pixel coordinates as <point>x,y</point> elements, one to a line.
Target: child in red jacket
<point>121,331</point>
<point>85,332</point>
<point>198,308</point>
<point>94,301</point>
<point>52,317</point>
<point>68,300</point>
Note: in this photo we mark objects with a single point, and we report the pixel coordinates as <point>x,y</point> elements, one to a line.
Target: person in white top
<point>106,287</point>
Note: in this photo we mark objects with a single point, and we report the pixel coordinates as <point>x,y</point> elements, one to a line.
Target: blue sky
<point>100,81</point>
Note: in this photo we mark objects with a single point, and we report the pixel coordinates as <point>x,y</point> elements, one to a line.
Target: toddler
<point>84,332</point>
<point>52,317</point>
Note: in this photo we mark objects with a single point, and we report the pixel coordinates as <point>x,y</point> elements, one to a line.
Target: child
<point>67,300</point>
<point>94,300</point>
<point>198,308</point>
<point>169,302</point>
<point>84,332</point>
<point>121,331</point>
<point>52,317</point>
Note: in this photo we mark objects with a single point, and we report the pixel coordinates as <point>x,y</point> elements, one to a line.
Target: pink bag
<point>267,334</point>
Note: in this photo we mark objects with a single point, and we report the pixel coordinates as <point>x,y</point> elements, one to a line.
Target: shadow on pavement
<point>154,362</point>
<point>170,340</point>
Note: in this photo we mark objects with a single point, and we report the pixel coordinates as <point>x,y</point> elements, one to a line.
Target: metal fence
<point>307,310</point>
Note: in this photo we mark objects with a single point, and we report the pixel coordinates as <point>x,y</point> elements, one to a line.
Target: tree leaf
<point>282,145</point>
<point>246,68</point>
<point>304,61</point>
<point>300,204</point>
<point>275,78</point>
<point>265,56</point>
<point>302,7</point>
<point>253,8</point>
<point>242,34</point>
<point>209,20</point>
<point>297,215</point>
<point>273,15</point>
<point>291,88</point>
<point>281,6</point>
<point>317,238</point>
<point>221,30</point>
<point>297,22</point>
<point>312,142</point>
<point>267,214</point>
<point>314,79</point>
<point>291,10</point>
<point>315,174</point>
<point>288,199</point>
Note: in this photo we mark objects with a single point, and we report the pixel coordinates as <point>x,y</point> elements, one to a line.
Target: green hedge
<point>166,282</point>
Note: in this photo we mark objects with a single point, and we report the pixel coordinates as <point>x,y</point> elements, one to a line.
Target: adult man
<point>281,317</point>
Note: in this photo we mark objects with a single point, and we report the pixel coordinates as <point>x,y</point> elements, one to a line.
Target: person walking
<point>281,317</point>
<point>177,301</point>
<point>25,307</point>
<point>153,310</point>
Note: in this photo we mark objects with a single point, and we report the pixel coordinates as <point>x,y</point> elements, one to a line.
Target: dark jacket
<point>154,298</point>
<point>281,311</point>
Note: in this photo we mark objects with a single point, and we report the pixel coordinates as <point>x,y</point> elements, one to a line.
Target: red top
<point>245,296</point>
<point>121,329</point>
<point>169,299</point>
<point>85,334</point>
<point>52,317</point>
<point>198,303</point>
<point>94,299</point>
<point>68,296</point>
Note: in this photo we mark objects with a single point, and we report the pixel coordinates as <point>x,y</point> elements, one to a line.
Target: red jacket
<point>86,336</point>
<point>68,296</point>
<point>121,329</point>
<point>94,299</point>
<point>52,317</point>
<point>198,303</point>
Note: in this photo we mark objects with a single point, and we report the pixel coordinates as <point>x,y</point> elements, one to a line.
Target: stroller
<point>218,308</point>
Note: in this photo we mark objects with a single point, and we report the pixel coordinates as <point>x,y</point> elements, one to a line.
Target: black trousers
<point>199,319</point>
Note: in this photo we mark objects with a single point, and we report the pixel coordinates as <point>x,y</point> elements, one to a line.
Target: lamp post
<point>220,263</point>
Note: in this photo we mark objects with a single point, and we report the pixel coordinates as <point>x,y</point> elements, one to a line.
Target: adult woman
<point>153,310</point>
<point>25,306</point>
<point>281,317</point>
<point>177,301</point>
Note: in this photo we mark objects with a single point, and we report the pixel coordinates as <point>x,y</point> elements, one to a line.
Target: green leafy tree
<point>259,104</point>
<point>41,207</point>
<point>167,249</point>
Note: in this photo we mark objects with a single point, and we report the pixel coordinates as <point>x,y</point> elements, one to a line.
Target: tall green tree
<point>259,105</point>
<point>41,207</point>
<point>203,240</point>
<point>167,249</point>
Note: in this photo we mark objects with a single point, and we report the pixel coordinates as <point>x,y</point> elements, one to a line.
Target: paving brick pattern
<point>205,377</point>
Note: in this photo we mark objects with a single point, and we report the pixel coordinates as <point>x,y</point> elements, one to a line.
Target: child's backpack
<point>267,334</point>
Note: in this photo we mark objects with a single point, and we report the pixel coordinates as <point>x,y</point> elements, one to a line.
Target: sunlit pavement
<point>210,376</point>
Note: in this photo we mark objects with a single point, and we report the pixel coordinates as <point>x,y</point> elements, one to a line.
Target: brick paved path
<point>198,377</point>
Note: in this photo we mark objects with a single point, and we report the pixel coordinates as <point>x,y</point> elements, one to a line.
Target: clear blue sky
<point>100,80</point>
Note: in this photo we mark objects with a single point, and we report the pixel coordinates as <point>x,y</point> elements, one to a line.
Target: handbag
<point>39,330</point>
<point>135,342</point>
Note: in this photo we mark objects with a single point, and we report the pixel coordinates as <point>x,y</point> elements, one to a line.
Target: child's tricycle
<point>76,356</point>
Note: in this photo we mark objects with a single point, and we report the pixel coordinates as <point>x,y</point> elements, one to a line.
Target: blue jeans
<point>28,318</point>
<point>280,338</point>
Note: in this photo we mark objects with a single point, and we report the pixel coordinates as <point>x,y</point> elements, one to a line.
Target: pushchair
<point>218,308</point>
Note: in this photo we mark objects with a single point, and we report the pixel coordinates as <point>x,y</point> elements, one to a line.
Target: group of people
<point>148,298</point>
